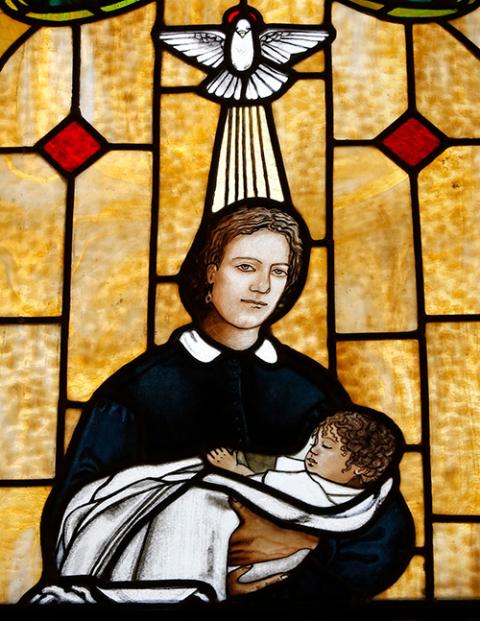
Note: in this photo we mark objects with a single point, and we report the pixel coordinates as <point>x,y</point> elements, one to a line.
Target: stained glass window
<point>120,140</point>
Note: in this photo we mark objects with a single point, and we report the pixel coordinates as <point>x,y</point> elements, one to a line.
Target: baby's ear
<point>362,472</point>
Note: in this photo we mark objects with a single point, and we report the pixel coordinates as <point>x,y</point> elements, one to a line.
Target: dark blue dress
<point>169,405</point>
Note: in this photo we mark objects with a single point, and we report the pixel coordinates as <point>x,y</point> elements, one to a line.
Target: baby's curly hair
<point>367,438</point>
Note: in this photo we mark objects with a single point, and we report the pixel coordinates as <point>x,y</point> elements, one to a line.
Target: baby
<point>349,450</point>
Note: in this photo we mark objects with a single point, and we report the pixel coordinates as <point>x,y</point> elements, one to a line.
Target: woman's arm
<point>344,569</point>
<point>105,441</point>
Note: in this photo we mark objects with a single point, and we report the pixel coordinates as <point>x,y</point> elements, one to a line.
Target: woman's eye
<point>278,271</point>
<point>326,446</point>
<point>245,267</point>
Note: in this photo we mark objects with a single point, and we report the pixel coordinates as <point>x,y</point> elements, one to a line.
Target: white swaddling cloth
<point>173,521</point>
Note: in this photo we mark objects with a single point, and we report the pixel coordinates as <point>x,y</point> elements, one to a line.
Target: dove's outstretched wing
<point>279,44</point>
<point>205,46</point>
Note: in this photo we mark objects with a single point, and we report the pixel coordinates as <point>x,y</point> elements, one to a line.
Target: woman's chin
<point>249,322</point>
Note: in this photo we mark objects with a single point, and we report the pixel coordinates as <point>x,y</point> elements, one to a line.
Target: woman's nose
<point>261,284</point>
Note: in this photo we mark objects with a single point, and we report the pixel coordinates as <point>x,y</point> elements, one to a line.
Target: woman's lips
<point>255,303</point>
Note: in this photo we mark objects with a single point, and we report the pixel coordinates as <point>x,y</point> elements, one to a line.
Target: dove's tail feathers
<point>264,82</point>
<point>225,85</point>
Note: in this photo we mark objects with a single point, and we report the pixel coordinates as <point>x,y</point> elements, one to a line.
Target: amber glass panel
<point>300,11</point>
<point>374,259</point>
<point>412,489</point>
<point>411,584</point>
<point>453,371</point>
<point>369,75</point>
<point>195,11</point>
<point>10,31</point>
<point>457,560</point>
<point>316,62</point>
<point>449,190</point>
<point>188,125</point>
<point>175,72</point>
<point>36,87</point>
<point>29,363</point>
<point>170,313</point>
<point>447,81</point>
<point>469,24</point>
<point>201,12</point>
<point>109,269</point>
<point>32,206</point>
<point>305,326</point>
<point>384,375</point>
<point>20,561</point>
<point>117,68</point>
<point>300,122</point>
<point>72,416</point>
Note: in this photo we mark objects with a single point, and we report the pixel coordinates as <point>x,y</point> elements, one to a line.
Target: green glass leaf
<point>61,12</point>
<point>414,10</point>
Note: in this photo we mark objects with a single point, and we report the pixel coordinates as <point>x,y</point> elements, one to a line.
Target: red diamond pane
<point>72,146</point>
<point>412,142</point>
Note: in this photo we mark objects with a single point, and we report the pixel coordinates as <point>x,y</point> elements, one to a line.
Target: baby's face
<point>328,458</point>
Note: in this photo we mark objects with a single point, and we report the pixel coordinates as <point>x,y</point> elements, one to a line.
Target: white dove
<point>248,61</point>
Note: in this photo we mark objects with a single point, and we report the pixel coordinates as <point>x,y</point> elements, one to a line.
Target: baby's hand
<point>223,458</point>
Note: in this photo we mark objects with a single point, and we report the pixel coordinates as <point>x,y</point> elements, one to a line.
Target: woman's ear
<point>211,273</point>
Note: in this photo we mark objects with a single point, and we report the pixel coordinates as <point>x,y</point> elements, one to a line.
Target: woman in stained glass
<point>224,381</point>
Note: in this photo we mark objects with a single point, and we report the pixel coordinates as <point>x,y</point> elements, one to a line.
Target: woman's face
<point>251,278</point>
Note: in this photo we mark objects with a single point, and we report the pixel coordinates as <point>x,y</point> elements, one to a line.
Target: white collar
<point>204,352</point>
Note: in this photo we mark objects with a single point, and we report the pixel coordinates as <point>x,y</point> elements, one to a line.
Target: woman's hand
<point>235,587</point>
<point>258,539</point>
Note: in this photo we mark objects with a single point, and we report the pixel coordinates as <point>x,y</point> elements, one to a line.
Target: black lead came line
<point>424,395</point>
<point>65,323</point>
<point>227,159</point>
<point>410,68</point>
<point>76,67</point>
<point>452,518</point>
<point>422,343</point>
<point>67,260</point>
<point>252,151</point>
<point>262,152</point>
<point>38,320</point>
<point>156,163</point>
<point>237,153</point>
<point>329,163</point>
<point>244,152</point>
